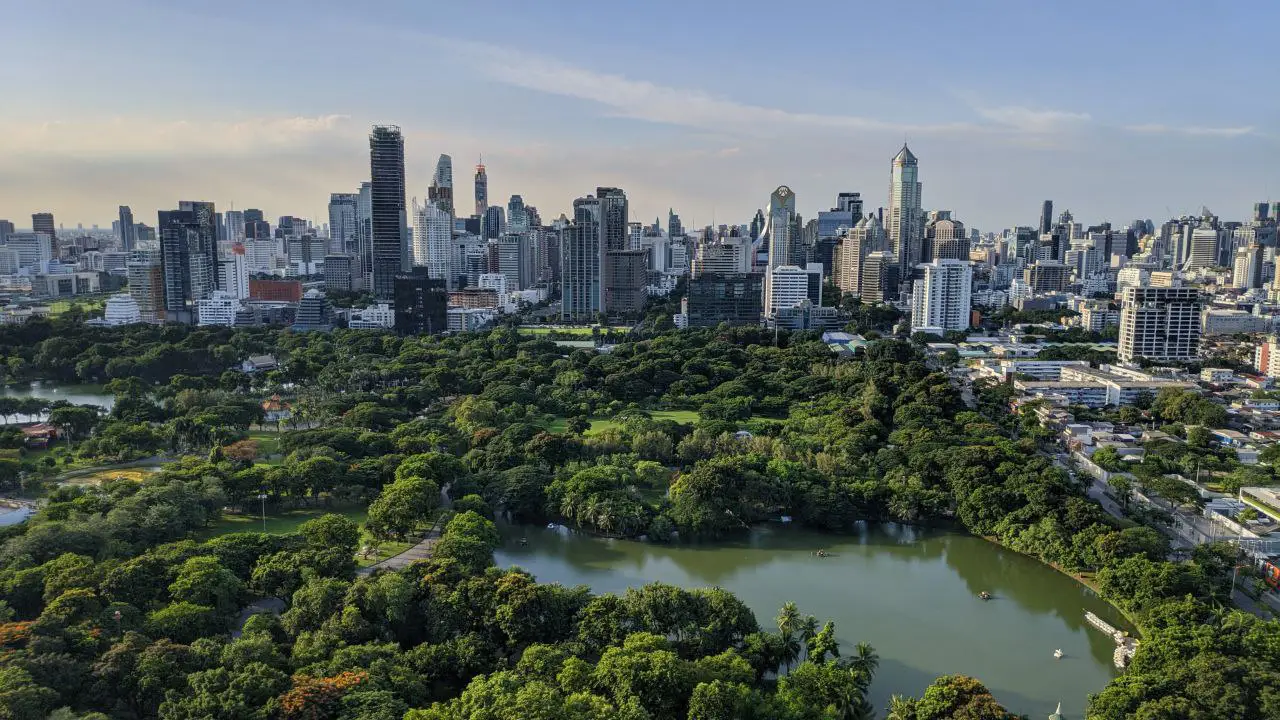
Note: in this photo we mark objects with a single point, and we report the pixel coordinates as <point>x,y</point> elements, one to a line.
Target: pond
<point>74,394</point>
<point>911,593</point>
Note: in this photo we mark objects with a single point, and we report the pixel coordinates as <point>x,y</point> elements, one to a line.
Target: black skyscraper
<point>421,303</point>
<point>43,223</point>
<point>178,232</point>
<point>386,174</point>
<point>128,234</point>
<point>1046,217</point>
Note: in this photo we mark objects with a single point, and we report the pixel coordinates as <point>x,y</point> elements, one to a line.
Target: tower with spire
<point>903,225</point>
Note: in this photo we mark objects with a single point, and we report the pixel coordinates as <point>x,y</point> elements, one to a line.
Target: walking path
<point>421,551</point>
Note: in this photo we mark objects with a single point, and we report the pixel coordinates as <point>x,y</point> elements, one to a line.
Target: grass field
<point>97,478</point>
<point>279,522</point>
<point>268,445</point>
<point>568,330</point>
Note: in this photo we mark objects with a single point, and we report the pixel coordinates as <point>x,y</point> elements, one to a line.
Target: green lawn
<point>279,522</point>
<point>385,550</point>
<point>268,441</point>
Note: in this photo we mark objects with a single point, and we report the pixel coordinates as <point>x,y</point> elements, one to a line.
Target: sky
<point>1114,110</point>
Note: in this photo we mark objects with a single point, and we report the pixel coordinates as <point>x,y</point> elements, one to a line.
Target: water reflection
<point>911,592</point>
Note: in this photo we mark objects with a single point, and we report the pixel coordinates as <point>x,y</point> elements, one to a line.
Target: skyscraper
<point>623,290</point>
<point>387,208</point>
<point>902,224</point>
<point>203,250</point>
<point>256,226</point>
<point>343,211</point>
<point>440,193</point>
<point>944,238</point>
<point>432,240</point>
<point>780,225</point>
<point>580,253</point>
<point>1203,247</point>
<point>940,300</point>
<point>179,235</point>
<point>494,223</point>
<point>128,235</point>
<point>6,229</point>
<point>482,189</point>
<point>1046,217</point>
<point>865,238</point>
<point>235,225</point>
<point>43,223</point>
<point>1159,323</point>
<point>517,220</point>
<point>362,270</point>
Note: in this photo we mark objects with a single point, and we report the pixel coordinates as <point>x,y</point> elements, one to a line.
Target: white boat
<point>1057,714</point>
<point>1057,653</point>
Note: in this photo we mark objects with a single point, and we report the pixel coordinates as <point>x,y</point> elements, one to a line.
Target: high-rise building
<point>440,193</point>
<point>421,303</point>
<point>204,253</point>
<point>865,238</point>
<point>941,298</point>
<point>235,225</point>
<point>482,189</point>
<point>338,271</point>
<point>1247,270</point>
<point>944,238</point>
<point>313,313</point>
<point>1046,217</point>
<point>179,237</point>
<point>494,223</point>
<point>674,228</point>
<point>734,298</point>
<point>128,235</point>
<point>623,290</point>
<point>343,222</point>
<point>1159,323</point>
<point>432,240</point>
<point>6,229</point>
<point>580,253</point>
<point>256,226</point>
<point>1260,212</point>
<point>880,277</point>
<point>902,223</point>
<point>43,223</point>
<point>33,250</point>
<point>788,287</point>
<point>1204,247</point>
<point>233,272</point>
<point>783,236</point>
<point>387,208</point>
<point>517,219</point>
<point>1046,277</point>
<point>362,269</point>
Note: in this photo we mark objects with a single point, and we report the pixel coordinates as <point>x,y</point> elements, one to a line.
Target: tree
<point>332,531</point>
<point>402,506</point>
<point>957,697</point>
<point>1108,459</point>
<point>21,698</point>
<point>204,581</point>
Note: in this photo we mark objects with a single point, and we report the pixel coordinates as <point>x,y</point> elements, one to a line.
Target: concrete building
<point>879,277</point>
<point>220,308</point>
<point>1159,323</point>
<point>734,298</point>
<point>1046,277</point>
<point>904,215</point>
<point>146,284</point>
<point>233,273</point>
<point>942,297</point>
<point>387,209</point>
<point>1266,357</point>
<point>338,273</point>
<point>314,313</point>
<point>580,275</point>
<point>373,317</point>
<point>121,310</point>
<point>1096,315</point>
<point>1223,321</point>
<point>788,287</point>
<point>866,237</point>
<point>420,303</point>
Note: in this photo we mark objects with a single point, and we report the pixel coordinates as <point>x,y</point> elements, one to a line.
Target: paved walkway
<point>421,551</point>
<point>274,606</point>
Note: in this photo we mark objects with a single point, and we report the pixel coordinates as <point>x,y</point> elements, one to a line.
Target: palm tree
<point>808,629</point>
<point>788,625</point>
<point>864,661</point>
<point>901,708</point>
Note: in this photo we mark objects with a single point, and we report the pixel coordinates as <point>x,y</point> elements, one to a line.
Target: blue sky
<point>1114,110</point>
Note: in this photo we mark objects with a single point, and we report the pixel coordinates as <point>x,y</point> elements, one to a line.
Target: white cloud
<point>143,137</point>
<point>1158,129</point>
<point>643,100</point>
<point>1026,119</point>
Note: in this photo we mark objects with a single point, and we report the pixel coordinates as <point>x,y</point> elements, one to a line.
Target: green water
<point>911,593</point>
<point>74,394</point>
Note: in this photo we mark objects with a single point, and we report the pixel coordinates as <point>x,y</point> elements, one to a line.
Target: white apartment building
<point>788,287</point>
<point>121,310</point>
<point>1159,323</point>
<point>219,308</point>
<point>942,299</point>
<point>373,317</point>
<point>432,240</point>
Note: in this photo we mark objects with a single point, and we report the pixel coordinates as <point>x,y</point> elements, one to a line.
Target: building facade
<point>942,297</point>
<point>387,208</point>
<point>1159,323</point>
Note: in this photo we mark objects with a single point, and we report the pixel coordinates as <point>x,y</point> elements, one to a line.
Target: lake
<point>74,394</point>
<point>912,593</point>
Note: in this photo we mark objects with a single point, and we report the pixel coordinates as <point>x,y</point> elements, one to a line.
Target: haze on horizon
<point>1114,111</point>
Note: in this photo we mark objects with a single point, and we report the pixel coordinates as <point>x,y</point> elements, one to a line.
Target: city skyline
<point>1108,137</point>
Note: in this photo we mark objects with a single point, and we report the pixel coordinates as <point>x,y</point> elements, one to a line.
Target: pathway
<point>274,606</point>
<point>143,462</point>
<point>421,551</point>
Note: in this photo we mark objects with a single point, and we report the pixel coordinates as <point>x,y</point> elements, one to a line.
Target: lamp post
<point>263,498</point>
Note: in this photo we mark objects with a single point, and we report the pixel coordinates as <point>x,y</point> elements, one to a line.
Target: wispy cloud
<point>644,100</point>
<point>1158,129</point>
<point>141,136</point>
<point>1032,120</point>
